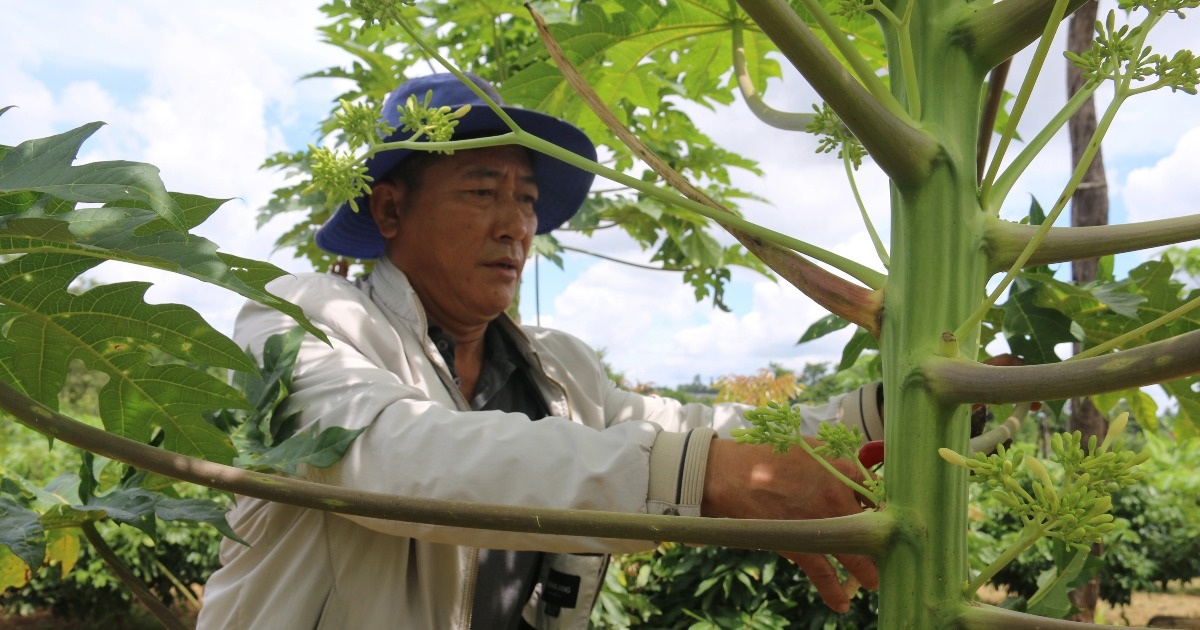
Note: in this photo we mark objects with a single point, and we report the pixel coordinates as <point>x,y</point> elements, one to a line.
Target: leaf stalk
<point>905,152</point>
<point>1031,76</point>
<point>123,573</point>
<point>787,121</point>
<point>1006,240</point>
<point>959,381</point>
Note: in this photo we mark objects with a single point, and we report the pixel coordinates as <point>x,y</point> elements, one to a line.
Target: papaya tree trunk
<point>1089,207</point>
<point>936,276</point>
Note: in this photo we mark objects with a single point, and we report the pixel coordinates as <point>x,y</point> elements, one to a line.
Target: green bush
<point>702,588</point>
<point>184,551</point>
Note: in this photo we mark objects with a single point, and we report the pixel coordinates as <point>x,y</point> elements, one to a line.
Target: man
<point>458,402</point>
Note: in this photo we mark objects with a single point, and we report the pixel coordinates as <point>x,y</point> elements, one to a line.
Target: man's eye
<point>481,192</point>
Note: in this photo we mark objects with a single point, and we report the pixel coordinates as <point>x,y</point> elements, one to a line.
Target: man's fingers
<point>862,568</point>
<point>824,577</point>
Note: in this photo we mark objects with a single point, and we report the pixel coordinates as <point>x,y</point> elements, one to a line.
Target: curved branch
<point>984,617</point>
<point>961,381</point>
<point>988,441</point>
<point>788,121</point>
<point>991,109</point>
<point>847,300</point>
<point>903,151</point>
<point>1006,240</point>
<point>998,31</point>
<point>866,533</point>
<point>126,577</point>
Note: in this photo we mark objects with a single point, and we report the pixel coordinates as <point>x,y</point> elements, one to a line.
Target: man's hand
<point>752,481</point>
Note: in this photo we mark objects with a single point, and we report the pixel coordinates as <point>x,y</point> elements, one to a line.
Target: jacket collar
<point>391,290</point>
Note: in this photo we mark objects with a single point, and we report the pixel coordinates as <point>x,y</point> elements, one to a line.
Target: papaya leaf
<point>14,572</point>
<point>1115,296</point>
<point>1057,580</point>
<point>308,448</point>
<point>44,165</point>
<point>197,511</point>
<point>268,387</point>
<point>1142,407</point>
<point>172,397</point>
<point>130,233</point>
<point>111,329</point>
<point>610,42</point>
<point>860,341</point>
<point>828,324</point>
<point>1187,419</point>
<point>265,435</point>
<point>22,533</point>
<point>1033,331</point>
<point>62,546</point>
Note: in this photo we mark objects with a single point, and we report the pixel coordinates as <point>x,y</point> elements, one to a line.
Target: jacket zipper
<point>531,353</point>
<point>469,596</point>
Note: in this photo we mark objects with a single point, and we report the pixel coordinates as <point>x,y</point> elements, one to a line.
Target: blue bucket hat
<point>562,188</point>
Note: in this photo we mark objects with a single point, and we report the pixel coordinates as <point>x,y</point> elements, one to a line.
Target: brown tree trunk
<point>1089,206</point>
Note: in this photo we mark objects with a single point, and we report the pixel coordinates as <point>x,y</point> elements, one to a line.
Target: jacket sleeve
<point>678,458</point>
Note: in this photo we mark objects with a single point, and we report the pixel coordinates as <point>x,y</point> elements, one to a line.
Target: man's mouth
<point>506,264</point>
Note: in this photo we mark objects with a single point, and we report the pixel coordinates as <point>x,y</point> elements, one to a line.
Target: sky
<point>205,91</point>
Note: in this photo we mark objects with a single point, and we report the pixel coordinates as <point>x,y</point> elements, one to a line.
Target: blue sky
<point>207,90</point>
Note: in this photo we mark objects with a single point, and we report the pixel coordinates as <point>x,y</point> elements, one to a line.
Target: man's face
<point>463,234</point>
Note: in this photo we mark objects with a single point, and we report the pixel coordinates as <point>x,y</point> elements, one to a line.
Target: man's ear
<point>386,202</point>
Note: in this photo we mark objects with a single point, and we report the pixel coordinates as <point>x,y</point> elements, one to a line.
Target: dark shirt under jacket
<point>505,578</point>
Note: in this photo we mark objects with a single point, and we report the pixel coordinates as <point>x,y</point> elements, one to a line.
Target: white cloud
<point>653,329</point>
<point>1169,187</point>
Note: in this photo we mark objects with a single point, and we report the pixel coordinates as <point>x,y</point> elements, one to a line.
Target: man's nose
<point>516,218</point>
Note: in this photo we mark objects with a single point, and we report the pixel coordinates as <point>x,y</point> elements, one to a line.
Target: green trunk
<point>936,279</point>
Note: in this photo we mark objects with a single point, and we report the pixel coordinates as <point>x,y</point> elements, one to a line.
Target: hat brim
<point>562,188</point>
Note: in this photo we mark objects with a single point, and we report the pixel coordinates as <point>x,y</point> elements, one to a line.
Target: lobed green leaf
<point>45,165</point>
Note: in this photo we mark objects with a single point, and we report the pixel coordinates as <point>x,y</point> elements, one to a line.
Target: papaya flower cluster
<point>436,123</point>
<point>833,135</point>
<point>1076,508</point>
<point>778,425</point>
<point>1118,52</point>
<point>341,175</point>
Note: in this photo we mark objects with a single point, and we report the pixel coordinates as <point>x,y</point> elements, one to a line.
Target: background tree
<point>1089,207</point>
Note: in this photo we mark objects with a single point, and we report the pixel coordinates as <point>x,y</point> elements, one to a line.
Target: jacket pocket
<point>567,589</point>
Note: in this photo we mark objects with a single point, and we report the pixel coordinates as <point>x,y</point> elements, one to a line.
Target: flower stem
<point>1085,161</point>
<point>1035,69</point>
<point>862,209</point>
<point>854,485</point>
<point>1029,535</point>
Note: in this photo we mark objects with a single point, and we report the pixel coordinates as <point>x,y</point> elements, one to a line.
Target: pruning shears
<point>870,454</point>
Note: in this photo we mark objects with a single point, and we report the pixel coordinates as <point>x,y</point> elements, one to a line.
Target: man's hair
<point>410,170</point>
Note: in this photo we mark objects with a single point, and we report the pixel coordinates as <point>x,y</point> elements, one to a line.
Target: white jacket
<point>602,449</point>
